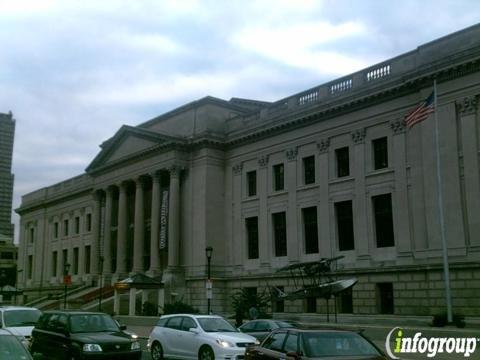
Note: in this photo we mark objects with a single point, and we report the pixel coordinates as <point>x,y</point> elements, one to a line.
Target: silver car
<point>205,337</point>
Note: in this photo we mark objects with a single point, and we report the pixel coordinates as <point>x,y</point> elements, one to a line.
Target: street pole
<point>208,252</point>
<point>66,267</point>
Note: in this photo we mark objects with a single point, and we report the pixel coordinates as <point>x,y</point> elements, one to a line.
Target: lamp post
<point>16,285</point>
<point>208,253</point>
<point>101,259</point>
<point>66,280</point>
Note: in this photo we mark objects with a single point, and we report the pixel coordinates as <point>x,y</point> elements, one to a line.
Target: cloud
<point>300,45</point>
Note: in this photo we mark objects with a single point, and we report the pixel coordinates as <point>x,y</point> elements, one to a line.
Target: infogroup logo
<point>463,346</point>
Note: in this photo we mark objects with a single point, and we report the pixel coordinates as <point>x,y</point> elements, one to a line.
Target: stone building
<point>331,171</point>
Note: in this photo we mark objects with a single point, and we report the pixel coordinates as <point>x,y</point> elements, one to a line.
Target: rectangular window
<point>87,259</point>
<point>55,230</point>
<point>65,227</point>
<point>280,303</point>
<point>345,301</point>
<point>6,255</point>
<point>88,223</point>
<point>77,225</point>
<point>54,263</point>
<point>343,162</point>
<point>64,260</point>
<point>382,208</point>
<point>278,174</point>
<point>385,298</point>
<point>252,237</point>
<point>309,170</point>
<point>380,153</point>
<point>280,233</point>
<point>310,229</point>
<point>32,235</point>
<point>75,261</point>
<point>344,215</point>
<point>311,304</point>
<point>30,266</point>
<point>252,183</point>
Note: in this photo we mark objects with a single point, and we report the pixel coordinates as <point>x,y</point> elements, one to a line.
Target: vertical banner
<point>162,235</point>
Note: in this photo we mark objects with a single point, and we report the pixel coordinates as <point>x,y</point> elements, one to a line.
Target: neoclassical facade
<point>331,171</point>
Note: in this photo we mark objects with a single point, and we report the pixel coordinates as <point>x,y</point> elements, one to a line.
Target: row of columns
<point>139,225</point>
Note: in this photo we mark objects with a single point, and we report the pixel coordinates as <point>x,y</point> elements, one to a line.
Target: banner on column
<point>162,240</point>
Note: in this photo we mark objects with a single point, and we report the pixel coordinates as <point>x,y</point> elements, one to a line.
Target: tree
<point>246,299</point>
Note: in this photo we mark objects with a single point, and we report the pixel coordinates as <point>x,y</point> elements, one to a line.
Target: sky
<point>73,72</point>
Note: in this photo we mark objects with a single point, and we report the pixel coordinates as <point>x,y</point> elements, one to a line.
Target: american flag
<point>422,111</point>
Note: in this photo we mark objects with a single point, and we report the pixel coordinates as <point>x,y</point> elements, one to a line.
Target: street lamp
<point>16,285</point>
<point>101,259</point>
<point>208,253</point>
<point>66,280</point>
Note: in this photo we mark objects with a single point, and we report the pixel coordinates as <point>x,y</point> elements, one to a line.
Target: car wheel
<point>157,351</point>
<point>206,353</point>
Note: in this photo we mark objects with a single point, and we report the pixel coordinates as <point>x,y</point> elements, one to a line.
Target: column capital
<point>468,105</point>
<point>155,175</point>
<point>358,136</point>
<point>292,153</point>
<point>398,126</point>
<point>237,168</point>
<point>175,171</point>
<point>323,145</point>
<point>263,161</point>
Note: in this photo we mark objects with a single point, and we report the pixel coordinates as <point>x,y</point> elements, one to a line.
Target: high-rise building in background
<point>7,132</point>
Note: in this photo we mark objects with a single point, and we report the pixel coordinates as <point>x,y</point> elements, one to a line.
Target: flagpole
<point>446,271</point>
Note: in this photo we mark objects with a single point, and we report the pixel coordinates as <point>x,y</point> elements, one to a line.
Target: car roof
<point>12,307</point>
<point>74,312</point>
<point>196,316</point>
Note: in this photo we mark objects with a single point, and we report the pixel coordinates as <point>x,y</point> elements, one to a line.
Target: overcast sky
<point>72,72</point>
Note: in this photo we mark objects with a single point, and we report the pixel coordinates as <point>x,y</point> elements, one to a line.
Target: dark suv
<point>82,335</point>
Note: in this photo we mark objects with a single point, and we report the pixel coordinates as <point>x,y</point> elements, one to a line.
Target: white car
<point>204,337</point>
<point>19,320</point>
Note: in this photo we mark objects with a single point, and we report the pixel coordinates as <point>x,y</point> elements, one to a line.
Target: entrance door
<point>385,298</point>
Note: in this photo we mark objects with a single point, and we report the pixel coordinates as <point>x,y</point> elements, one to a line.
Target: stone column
<point>95,247</point>
<point>360,201</point>
<point>122,231</point>
<point>238,249</point>
<point>131,301</point>
<point>155,226</point>
<point>400,196</point>
<point>174,218</point>
<point>321,173</point>
<point>293,245</point>
<point>264,245</point>
<point>116,302</point>
<point>107,236</point>
<point>139,233</point>
<point>468,111</point>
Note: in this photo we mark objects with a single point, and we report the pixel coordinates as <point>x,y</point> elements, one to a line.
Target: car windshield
<point>283,324</point>
<point>21,317</point>
<point>11,348</point>
<point>325,344</point>
<point>87,323</point>
<point>216,325</point>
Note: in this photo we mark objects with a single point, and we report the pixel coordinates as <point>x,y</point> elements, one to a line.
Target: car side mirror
<point>123,327</point>
<point>194,330</point>
<point>293,355</point>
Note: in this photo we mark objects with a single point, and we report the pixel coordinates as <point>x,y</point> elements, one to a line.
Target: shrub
<point>440,320</point>
<point>179,307</point>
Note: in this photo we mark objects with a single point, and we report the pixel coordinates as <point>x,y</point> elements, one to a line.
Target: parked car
<point>19,320</point>
<point>204,337</point>
<point>70,334</point>
<point>11,347</point>
<point>296,344</point>
<point>260,328</point>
